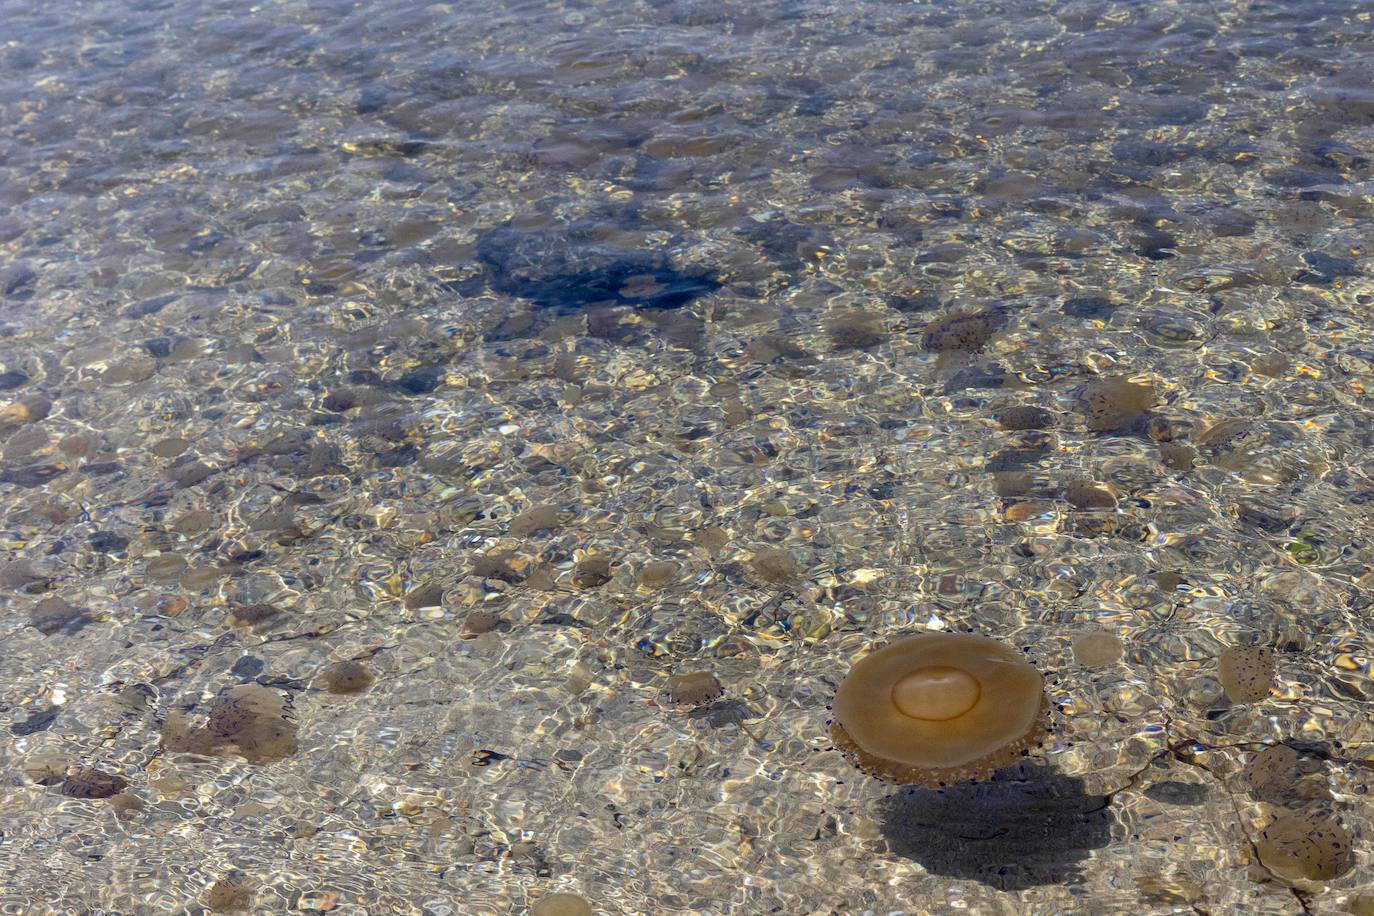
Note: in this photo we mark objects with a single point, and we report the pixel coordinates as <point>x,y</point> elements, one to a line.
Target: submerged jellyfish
<point>695,689</point>
<point>1247,673</point>
<point>1305,846</point>
<point>561,904</point>
<point>939,708</point>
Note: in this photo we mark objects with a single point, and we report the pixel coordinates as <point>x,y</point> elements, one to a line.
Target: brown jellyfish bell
<point>939,708</point>
<point>694,689</point>
<point>1305,847</point>
<point>561,904</point>
<point>1247,673</point>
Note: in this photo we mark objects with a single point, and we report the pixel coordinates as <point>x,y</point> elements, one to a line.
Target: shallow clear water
<point>310,304</point>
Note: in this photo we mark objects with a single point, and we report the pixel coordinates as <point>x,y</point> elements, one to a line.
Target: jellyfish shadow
<point>1027,826</point>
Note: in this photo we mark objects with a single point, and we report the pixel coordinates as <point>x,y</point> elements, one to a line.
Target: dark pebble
<point>1024,417</point>
<point>53,615</point>
<point>1156,244</point>
<point>188,472</point>
<point>371,100</point>
<point>562,620</point>
<point>1088,307</point>
<point>159,347</point>
<point>37,721</point>
<point>976,377</point>
<point>1325,268</point>
<point>101,469</point>
<point>363,377</point>
<point>107,542</point>
<point>422,380</point>
<point>247,667</point>
<point>12,379</point>
<point>1254,516</point>
<point>149,306</point>
<point>921,302</point>
<point>17,280</point>
<point>1172,792</point>
<point>35,475</point>
<point>340,401</point>
<point>1016,459</point>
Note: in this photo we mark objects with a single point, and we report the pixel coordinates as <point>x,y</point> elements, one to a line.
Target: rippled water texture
<point>450,454</point>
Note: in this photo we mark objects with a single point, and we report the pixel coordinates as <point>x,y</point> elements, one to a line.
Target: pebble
<point>480,621</point>
<point>534,519</point>
<point>592,572</point>
<point>32,476</point>
<point>166,566</point>
<point>54,614</point>
<point>170,448</point>
<point>657,574</point>
<point>427,594</point>
<point>29,409</point>
<point>1085,494</point>
<point>1024,417</point>
<point>1093,308</point>
<point>1177,456</point>
<point>107,542</point>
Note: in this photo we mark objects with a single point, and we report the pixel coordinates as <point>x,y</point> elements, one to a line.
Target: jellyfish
<point>1305,846</point>
<point>1247,672</point>
<point>694,689</point>
<point>962,332</point>
<point>347,676</point>
<point>561,904</point>
<point>1097,649</point>
<point>939,708</point>
<point>1114,403</point>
